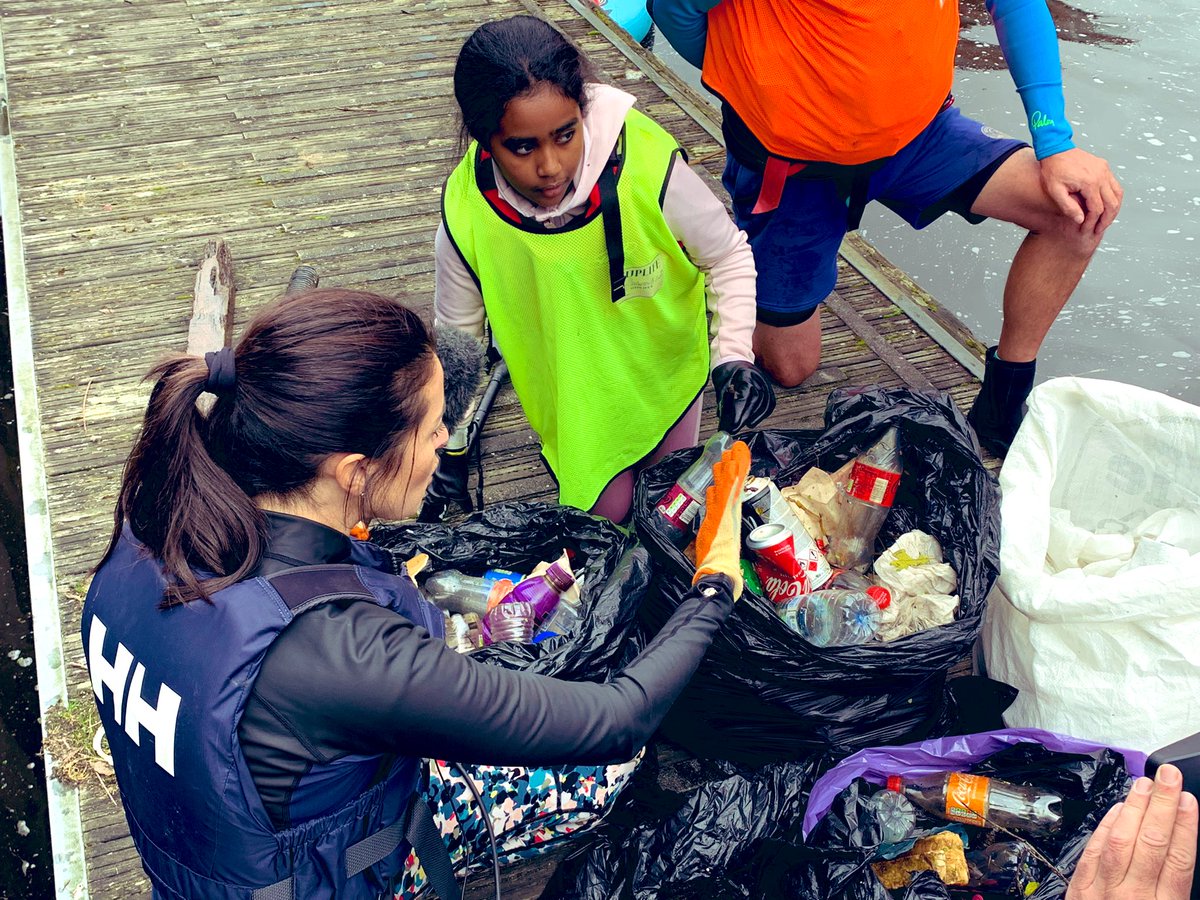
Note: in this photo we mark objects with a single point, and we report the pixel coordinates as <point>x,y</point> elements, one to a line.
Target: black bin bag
<point>615,571</point>
<point>843,837</point>
<point>763,693</point>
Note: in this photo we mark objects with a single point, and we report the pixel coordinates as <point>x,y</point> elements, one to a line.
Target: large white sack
<point>1099,468</point>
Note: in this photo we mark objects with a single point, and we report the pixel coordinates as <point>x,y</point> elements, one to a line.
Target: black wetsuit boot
<point>998,410</point>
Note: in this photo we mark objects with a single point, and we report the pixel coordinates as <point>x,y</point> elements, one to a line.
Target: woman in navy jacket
<point>267,684</point>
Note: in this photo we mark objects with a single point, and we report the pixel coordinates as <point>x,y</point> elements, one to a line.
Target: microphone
<point>462,367</point>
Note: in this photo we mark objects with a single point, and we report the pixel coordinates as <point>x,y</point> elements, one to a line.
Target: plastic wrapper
<point>763,693</point>
<point>843,837</point>
<point>920,583</point>
<point>615,572</point>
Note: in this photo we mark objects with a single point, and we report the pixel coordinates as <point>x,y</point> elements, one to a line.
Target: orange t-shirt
<point>843,81</point>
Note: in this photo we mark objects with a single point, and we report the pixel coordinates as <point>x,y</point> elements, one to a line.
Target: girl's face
<point>399,496</point>
<point>539,144</point>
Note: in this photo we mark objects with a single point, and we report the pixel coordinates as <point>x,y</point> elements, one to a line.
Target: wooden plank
<point>214,293</point>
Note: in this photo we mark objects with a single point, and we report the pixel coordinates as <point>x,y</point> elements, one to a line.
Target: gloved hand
<point>450,485</point>
<point>744,395</point>
<point>718,545</point>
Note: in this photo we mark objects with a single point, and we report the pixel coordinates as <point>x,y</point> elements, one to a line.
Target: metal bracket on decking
<point>66,827</point>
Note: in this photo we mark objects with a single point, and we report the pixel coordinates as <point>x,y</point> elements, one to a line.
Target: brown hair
<point>320,372</point>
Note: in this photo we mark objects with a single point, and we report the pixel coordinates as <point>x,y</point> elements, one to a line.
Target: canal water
<point>1132,76</point>
<point>25,865</point>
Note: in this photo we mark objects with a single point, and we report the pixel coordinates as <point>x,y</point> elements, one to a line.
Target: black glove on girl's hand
<point>744,395</point>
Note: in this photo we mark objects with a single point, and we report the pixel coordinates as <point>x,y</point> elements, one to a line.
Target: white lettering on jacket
<point>159,720</point>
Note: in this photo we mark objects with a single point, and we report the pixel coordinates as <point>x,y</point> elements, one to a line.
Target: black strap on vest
<point>303,588</point>
<point>610,210</point>
<point>610,216</point>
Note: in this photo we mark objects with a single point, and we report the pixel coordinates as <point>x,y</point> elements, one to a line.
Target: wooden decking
<point>314,131</point>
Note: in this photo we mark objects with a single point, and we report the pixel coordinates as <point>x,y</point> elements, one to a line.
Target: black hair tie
<point>221,372</point>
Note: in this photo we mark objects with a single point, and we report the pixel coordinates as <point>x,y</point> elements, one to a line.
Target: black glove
<point>744,395</point>
<point>449,486</point>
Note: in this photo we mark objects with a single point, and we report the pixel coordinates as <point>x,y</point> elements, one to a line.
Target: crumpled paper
<point>921,584</point>
<point>814,499</point>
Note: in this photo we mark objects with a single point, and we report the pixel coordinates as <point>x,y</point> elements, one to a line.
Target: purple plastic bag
<point>941,755</point>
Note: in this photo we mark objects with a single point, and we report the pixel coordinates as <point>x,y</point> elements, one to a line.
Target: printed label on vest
<point>128,705</point>
<point>645,281</point>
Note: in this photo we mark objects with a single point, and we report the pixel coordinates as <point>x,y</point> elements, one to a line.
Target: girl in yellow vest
<point>575,229</point>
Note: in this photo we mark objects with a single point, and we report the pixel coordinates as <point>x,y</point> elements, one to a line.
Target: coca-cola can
<point>783,576</point>
<point>771,507</point>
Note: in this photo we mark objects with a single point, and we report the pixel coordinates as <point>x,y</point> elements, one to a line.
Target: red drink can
<point>782,575</point>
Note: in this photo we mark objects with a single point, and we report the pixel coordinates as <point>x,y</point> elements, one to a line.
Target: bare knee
<point>791,370</point>
<point>790,353</point>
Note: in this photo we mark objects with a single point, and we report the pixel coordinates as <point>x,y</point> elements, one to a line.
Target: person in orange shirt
<point>830,104</point>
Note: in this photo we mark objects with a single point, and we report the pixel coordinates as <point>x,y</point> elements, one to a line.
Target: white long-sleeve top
<point>695,216</point>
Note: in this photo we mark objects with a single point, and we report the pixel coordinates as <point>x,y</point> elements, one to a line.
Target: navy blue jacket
<point>283,721</point>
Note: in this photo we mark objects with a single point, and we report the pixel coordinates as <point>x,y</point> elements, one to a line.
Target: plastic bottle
<point>895,816</point>
<point>836,617</point>
<point>979,800</point>
<point>544,590</point>
<point>680,506</point>
<point>864,502</point>
<point>457,592</point>
<point>564,620</point>
<point>509,622</point>
<point>849,580</point>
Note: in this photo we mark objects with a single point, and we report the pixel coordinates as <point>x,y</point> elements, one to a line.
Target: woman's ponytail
<point>322,372</point>
<point>177,500</point>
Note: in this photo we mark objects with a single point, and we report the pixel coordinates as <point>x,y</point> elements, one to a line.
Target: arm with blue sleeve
<point>1029,42</point>
<point>684,23</point>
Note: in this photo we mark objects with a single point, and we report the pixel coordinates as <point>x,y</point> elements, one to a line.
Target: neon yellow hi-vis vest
<point>602,380</point>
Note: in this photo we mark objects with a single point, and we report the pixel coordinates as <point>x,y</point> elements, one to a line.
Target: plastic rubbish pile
<point>869,550</point>
<point>809,548</point>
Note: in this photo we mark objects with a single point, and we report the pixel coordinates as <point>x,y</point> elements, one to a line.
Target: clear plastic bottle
<point>564,620</point>
<point>864,502</point>
<point>457,592</point>
<point>509,622</point>
<point>681,505</point>
<point>895,816</point>
<point>836,617</point>
<point>544,590</point>
<point>849,580</point>
<point>979,800</point>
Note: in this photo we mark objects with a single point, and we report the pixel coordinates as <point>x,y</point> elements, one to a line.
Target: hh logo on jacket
<point>128,706</point>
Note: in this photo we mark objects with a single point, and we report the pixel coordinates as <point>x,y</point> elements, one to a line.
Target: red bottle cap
<point>895,783</point>
<point>881,595</point>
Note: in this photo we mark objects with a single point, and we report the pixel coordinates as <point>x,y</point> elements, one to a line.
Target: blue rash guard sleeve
<point>1029,43</point>
<point>684,23</point>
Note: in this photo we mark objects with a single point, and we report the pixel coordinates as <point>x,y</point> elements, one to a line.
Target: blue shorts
<point>941,170</point>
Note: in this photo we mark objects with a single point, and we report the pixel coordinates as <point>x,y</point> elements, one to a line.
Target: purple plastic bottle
<point>542,590</point>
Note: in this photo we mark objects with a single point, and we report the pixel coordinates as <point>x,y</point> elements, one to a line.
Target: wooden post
<point>213,301</point>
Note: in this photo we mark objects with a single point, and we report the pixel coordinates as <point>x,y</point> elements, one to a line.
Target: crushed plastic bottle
<point>895,816</point>
<point>835,617</point>
<point>864,503</point>
<point>457,592</point>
